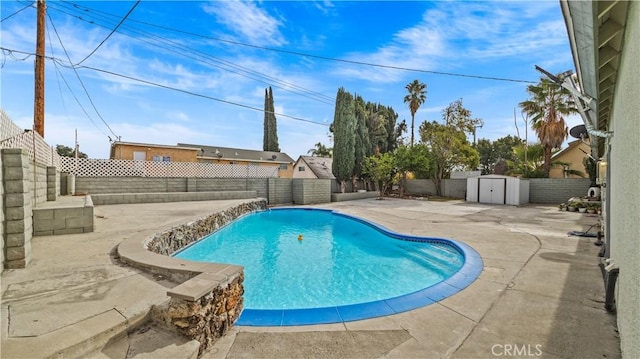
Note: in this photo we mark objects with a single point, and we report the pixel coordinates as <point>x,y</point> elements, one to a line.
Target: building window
<point>161,158</point>
<point>283,166</point>
<point>301,169</point>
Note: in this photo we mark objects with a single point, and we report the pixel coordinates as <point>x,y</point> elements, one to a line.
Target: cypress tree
<point>362,146</point>
<point>265,124</point>
<point>270,136</point>
<point>344,137</point>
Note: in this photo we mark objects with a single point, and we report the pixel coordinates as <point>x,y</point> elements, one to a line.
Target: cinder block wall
<point>39,173</point>
<point>455,188</point>
<point>2,249</point>
<point>17,178</point>
<point>220,184</point>
<point>53,183</point>
<point>421,186</point>
<point>556,190</point>
<point>97,185</point>
<point>310,191</point>
<point>280,191</point>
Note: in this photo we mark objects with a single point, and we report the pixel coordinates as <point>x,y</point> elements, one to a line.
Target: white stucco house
<point>605,42</point>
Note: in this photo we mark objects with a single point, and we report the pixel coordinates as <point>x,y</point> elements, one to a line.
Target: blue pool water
<point>301,258</point>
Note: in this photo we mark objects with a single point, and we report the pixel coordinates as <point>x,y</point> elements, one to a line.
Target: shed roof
<point>321,166</point>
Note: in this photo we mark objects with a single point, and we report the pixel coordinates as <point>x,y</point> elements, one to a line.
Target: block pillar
<point>53,182</point>
<point>18,208</point>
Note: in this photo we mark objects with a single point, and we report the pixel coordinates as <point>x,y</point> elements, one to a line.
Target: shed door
<point>492,190</point>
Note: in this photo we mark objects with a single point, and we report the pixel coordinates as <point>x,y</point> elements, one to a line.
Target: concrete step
<point>148,342</point>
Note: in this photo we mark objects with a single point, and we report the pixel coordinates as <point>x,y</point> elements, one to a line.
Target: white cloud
<point>454,35</point>
<point>248,20</point>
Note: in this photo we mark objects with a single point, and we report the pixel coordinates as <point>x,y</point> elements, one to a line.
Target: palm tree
<point>547,104</point>
<point>416,97</point>
<point>320,150</point>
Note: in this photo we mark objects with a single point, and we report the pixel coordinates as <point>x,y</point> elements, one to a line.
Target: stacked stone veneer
<point>208,318</point>
<point>18,208</point>
<point>206,306</point>
<point>178,237</point>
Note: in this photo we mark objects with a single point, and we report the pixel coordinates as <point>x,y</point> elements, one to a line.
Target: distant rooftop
<point>321,166</point>
<point>239,154</point>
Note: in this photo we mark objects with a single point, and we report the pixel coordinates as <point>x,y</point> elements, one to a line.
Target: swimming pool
<point>302,262</point>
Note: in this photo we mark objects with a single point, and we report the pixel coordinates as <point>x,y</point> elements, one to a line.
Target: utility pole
<point>38,107</point>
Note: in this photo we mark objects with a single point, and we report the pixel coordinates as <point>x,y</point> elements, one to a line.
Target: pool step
<point>435,257</point>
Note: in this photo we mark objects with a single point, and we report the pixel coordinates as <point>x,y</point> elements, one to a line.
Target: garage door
<point>492,190</point>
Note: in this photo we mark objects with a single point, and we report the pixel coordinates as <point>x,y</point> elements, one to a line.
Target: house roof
<point>570,146</point>
<point>596,35</point>
<point>239,154</point>
<point>320,166</point>
<point>179,147</point>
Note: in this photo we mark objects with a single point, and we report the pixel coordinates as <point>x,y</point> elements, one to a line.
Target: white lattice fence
<point>12,136</point>
<point>7,127</point>
<point>83,167</point>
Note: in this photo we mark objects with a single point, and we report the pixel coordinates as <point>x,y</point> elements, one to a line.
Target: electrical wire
<point>58,73</point>
<point>327,58</point>
<point>78,76</point>
<point>111,33</point>
<point>205,58</point>
<point>60,62</point>
<point>17,12</point>
<point>199,95</point>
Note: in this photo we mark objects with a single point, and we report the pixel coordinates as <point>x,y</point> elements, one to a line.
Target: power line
<point>59,61</point>
<point>78,76</point>
<point>197,94</point>
<point>17,12</point>
<point>202,56</point>
<point>327,58</point>
<point>60,75</point>
<point>111,33</point>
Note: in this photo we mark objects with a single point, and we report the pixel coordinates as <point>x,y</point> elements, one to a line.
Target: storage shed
<point>496,189</point>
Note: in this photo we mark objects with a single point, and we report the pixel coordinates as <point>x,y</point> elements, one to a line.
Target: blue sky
<point>207,57</point>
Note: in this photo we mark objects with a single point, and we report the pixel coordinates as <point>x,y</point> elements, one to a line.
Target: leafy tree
<point>416,97</point>
<point>66,151</point>
<point>547,104</point>
<point>498,151</point>
<point>377,123</point>
<point>411,159</point>
<point>488,158</point>
<point>449,149</point>
<point>320,150</point>
<point>270,137</point>
<point>381,168</point>
<point>401,129</point>
<point>458,116</point>
<point>528,162</point>
<point>344,127</point>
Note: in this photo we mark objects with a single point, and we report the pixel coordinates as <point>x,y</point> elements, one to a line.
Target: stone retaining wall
<point>207,304</point>
<point>207,319</point>
<point>178,237</point>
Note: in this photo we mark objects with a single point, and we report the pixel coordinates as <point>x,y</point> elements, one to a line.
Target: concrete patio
<point>540,294</point>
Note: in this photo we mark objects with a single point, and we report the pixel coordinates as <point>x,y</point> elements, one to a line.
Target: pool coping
<point>467,274</point>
